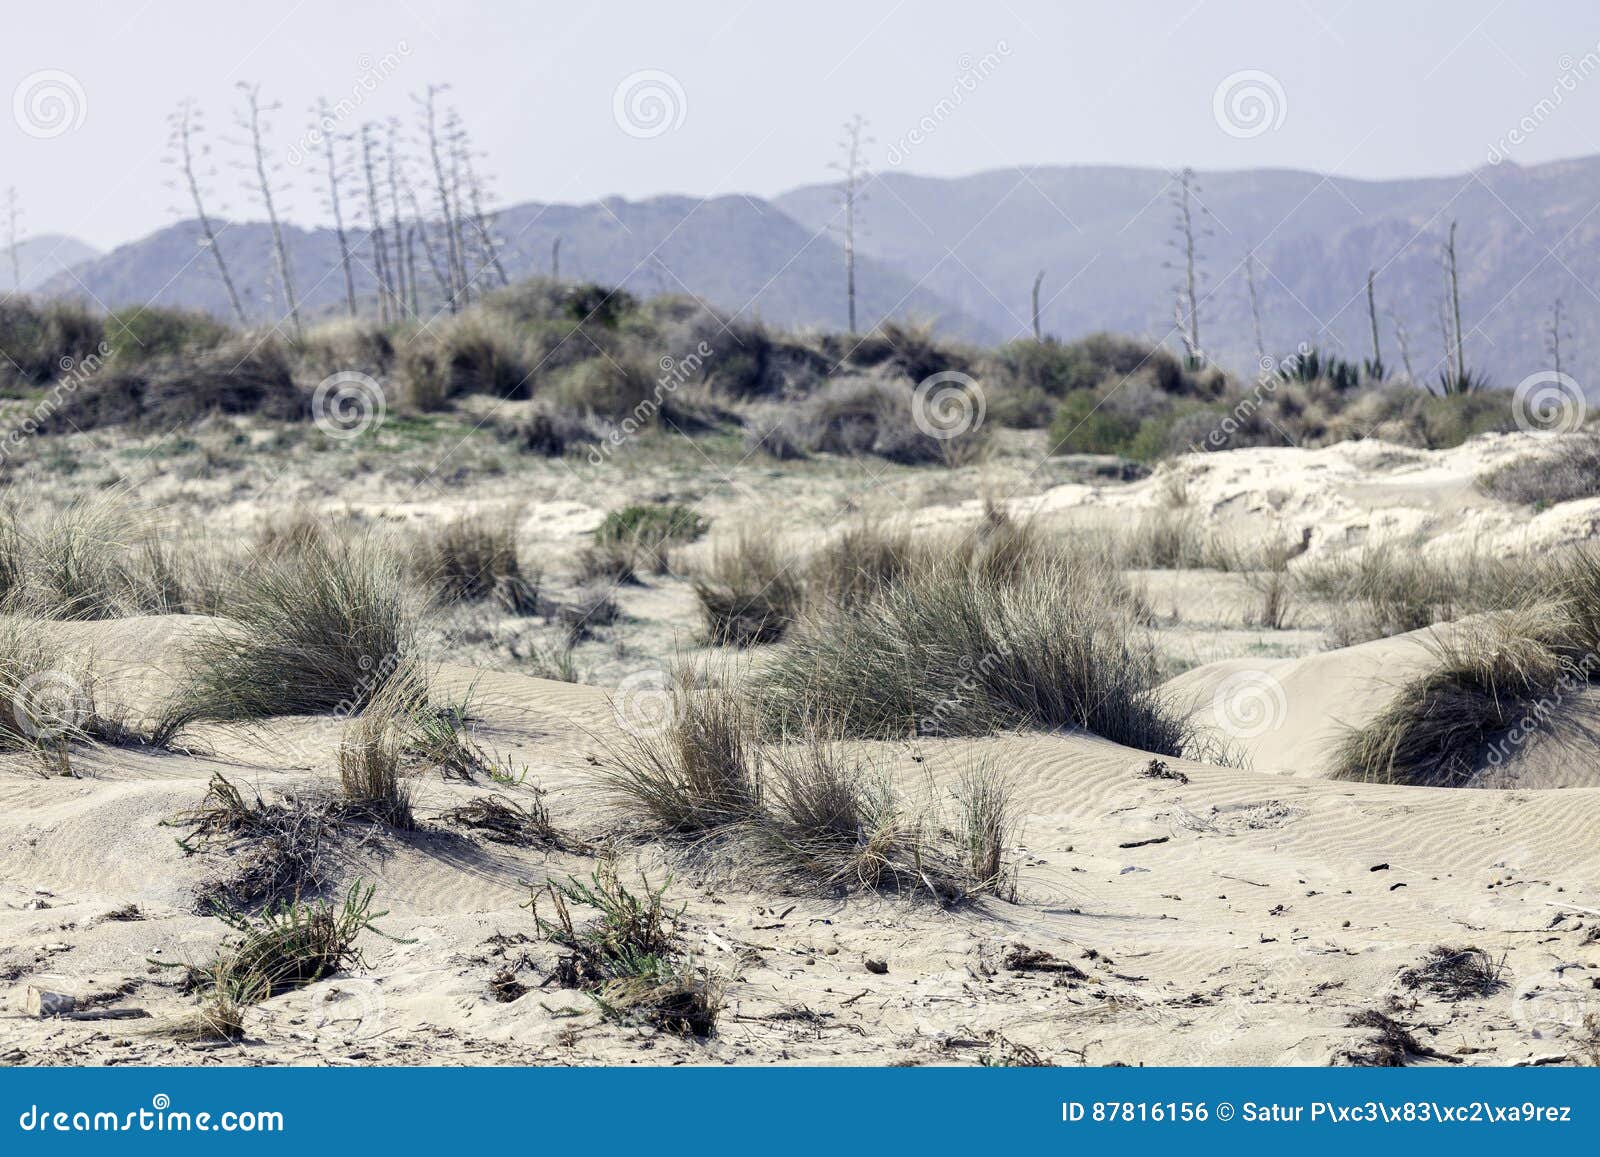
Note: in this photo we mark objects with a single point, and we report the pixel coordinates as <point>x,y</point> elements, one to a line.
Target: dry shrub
<point>507,822</point>
<point>1568,472</point>
<point>1390,1044</point>
<point>698,770</point>
<point>276,851</point>
<point>807,811</point>
<point>1392,588</point>
<point>1456,973</point>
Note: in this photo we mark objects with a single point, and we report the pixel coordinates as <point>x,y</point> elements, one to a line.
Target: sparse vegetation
<point>1456,973</point>
<point>1566,473</point>
<point>1484,674</point>
<point>474,557</point>
<point>288,946</point>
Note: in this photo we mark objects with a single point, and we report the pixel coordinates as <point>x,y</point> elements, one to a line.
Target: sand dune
<point>1239,917</point>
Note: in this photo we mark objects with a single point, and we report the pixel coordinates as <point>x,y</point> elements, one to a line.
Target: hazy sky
<point>752,94</point>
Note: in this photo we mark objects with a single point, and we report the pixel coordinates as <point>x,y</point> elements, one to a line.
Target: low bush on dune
<point>42,340</point>
<point>874,416</point>
<point>473,353</point>
<point>638,538</point>
<point>246,375</point>
<point>1565,474</point>
<point>629,958</point>
<point>699,771</point>
<point>1484,676</point>
<point>286,947</point>
<point>1004,630</point>
<point>323,627</point>
<point>140,333</point>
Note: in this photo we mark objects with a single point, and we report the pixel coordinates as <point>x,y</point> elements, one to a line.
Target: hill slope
<point>1104,238</point>
<point>738,253</point>
<point>41,259</point>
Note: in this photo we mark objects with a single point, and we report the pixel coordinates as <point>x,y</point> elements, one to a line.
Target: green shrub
<point>1084,425</point>
<point>140,333</point>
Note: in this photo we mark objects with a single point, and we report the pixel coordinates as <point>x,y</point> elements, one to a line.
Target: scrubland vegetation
<point>810,669</point>
<point>595,366</point>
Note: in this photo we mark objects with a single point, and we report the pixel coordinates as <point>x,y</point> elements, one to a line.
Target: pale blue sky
<point>1368,88</point>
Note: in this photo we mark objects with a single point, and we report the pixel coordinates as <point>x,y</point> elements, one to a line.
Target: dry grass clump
<point>1174,540</point>
<point>699,770</point>
<point>371,771</point>
<point>628,958</point>
<point>1393,588</point>
<point>987,827</point>
<point>1456,973</point>
<point>507,822</point>
<point>1485,674</point>
<point>858,561</point>
<point>472,558</point>
<point>807,809</point>
<point>749,594</point>
<point>324,627</point>
<point>834,821</point>
<point>1006,630</point>
<point>1569,472</point>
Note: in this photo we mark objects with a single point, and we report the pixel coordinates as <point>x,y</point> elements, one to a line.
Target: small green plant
<point>628,957</point>
<point>1085,425</point>
<point>290,945</point>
